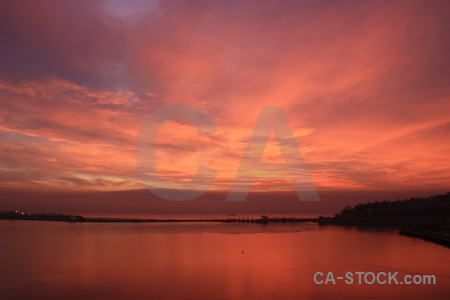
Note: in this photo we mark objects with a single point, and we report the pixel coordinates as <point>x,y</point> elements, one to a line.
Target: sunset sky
<point>365,86</point>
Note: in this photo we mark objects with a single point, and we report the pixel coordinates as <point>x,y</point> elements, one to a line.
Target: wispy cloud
<point>364,85</point>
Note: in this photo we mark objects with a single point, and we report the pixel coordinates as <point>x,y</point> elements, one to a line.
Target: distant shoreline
<point>431,236</point>
<point>427,218</point>
<point>14,215</point>
<point>424,218</point>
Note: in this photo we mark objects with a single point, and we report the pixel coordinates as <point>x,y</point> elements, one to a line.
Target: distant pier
<point>14,215</point>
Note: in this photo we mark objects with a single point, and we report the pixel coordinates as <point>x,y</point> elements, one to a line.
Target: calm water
<point>54,260</point>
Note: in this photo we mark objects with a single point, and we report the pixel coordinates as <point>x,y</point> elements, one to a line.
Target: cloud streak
<point>364,85</point>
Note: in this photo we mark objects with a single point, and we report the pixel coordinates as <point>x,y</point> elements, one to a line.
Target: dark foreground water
<point>54,260</point>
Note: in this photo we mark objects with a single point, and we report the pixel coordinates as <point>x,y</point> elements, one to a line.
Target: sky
<point>364,86</point>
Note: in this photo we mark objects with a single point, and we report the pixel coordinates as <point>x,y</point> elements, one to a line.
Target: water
<point>54,260</point>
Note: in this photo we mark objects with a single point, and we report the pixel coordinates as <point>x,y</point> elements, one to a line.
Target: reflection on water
<point>53,260</point>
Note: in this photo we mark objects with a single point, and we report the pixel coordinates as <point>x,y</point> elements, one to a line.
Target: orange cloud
<point>364,86</point>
